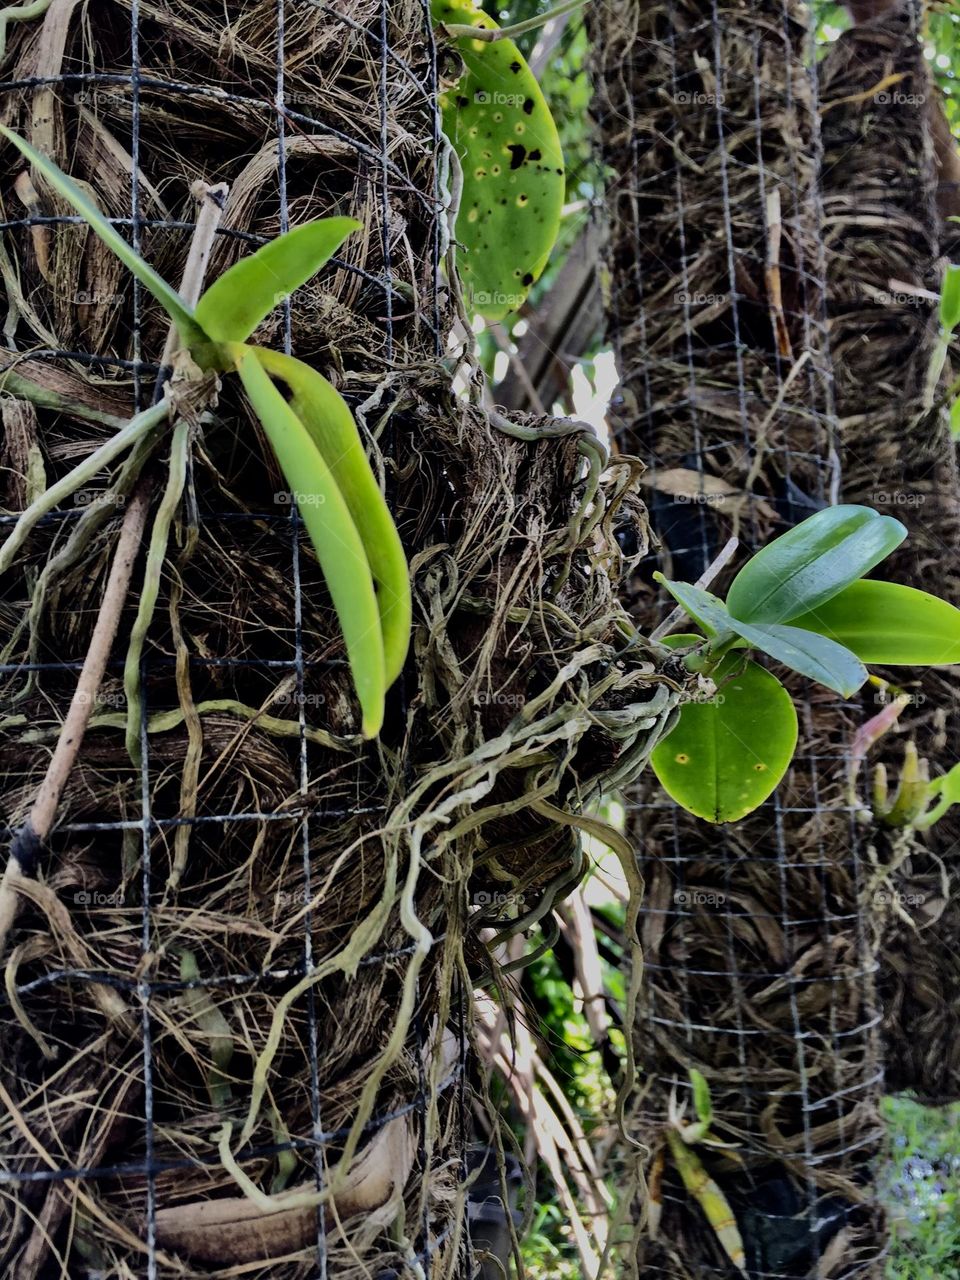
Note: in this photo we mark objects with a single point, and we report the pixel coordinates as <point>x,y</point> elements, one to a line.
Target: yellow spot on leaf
<point>682,758</point>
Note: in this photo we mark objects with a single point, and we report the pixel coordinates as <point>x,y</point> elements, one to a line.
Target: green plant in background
<point>544,1256</point>
<point>498,122</point>
<point>943,49</point>
<point>567,1043</point>
<point>920,1188</point>
<point>800,601</point>
<point>312,433</point>
<point>940,33</point>
<point>561,70</point>
<point>577,1032</point>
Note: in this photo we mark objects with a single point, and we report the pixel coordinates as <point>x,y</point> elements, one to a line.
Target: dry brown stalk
<point>27,845</point>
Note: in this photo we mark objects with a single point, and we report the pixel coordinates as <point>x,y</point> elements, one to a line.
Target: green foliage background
<point>921,1188</point>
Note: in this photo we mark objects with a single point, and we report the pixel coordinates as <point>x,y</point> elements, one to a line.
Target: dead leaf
<point>235,1230</point>
<point>711,491</point>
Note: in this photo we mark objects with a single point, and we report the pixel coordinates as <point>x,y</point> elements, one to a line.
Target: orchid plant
<point>306,421</point>
<point>802,600</point>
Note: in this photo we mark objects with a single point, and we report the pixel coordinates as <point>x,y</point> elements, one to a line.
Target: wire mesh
<point>751,318</point>
<point>315,81</point>
<point>885,238</point>
<point>304,109</point>
<point>260,942</point>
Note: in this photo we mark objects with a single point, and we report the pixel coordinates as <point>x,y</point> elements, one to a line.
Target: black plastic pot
<point>488,1217</point>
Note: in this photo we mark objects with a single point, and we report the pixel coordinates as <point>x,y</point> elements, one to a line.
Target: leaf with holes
<point>726,755</point>
<point>498,122</point>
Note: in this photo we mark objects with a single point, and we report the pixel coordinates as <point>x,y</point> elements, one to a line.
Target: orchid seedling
<point>308,425</point>
<point>919,800</point>
<point>803,601</point>
<point>498,123</point>
<point>681,1141</point>
<point>949,318</point>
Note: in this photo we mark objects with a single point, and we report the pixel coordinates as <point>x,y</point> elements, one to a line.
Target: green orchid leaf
<point>725,756</point>
<point>681,640</point>
<point>950,299</point>
<point>804,567</point>
<point>815,656</point>
<point>946,790</point>
<point>955,418</point>
<point>332,531</point>
<point>889,625</point>
<point>707,611</point>
<point>498,122</point>
<point>947,786</point>
<point>191,332</point>
<point>702,1102</point>
<point>328,419</point>
<point>236,303</point>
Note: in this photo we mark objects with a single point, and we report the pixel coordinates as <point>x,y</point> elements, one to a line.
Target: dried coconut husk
<point>884,240</point>
<point>321,886</point>
<point>758,961</point>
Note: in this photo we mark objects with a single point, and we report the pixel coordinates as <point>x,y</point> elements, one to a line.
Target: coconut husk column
<point>759,964</point>
<point>248,959</point>
<point>883,237</point>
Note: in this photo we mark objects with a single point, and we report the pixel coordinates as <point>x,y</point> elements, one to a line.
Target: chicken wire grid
<point>132,1019</point>
<point>764,194</point>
